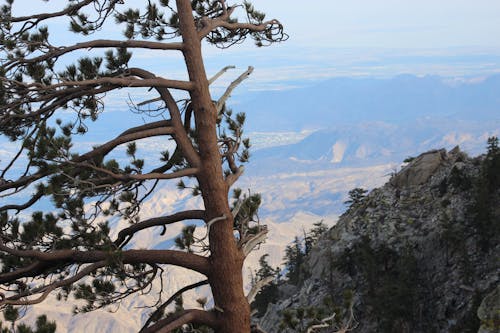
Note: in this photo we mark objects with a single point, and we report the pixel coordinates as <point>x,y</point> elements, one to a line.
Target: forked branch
<point>183,317</point>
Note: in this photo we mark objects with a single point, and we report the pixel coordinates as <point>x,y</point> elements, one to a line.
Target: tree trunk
<point>226,259</point>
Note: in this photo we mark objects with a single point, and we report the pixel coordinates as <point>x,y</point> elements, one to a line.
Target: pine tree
<point>47,103</point>
<point>313,235</point>
<point>42,324</point>
<point>294,257</point>
<point>356,195</point>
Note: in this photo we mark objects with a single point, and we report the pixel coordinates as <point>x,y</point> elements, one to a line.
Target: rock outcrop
<point>489,312</point>
<point>416,255</point>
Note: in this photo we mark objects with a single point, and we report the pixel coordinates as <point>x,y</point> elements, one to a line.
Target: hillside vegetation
<point>419,254</point>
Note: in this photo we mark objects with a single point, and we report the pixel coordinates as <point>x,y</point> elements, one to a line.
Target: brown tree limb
<point>46,290</point>
<point>223,22</point>
<point>123,82</point>
<point>101,43</point>
<point>27,204</point>
<point>158,221</point>
<point>23,181</point>
<point>183,317</point>
<point>172,298</point>
<point>181,137</point>
<point>125,137</point>
<point>148,126</point>
<point>141,176</point>
<point>31,270</point>
<point>172,257</point>
<point>44,16</point>
<point>140,132</point>
<point>61,97</point>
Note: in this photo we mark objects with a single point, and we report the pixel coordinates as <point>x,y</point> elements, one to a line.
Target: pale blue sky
<point>330,38</point>
<point>390,23</point>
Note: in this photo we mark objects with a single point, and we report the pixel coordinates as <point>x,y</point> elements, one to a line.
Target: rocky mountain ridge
<point>416,255</point>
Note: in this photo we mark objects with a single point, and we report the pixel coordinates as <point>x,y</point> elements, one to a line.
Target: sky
<point>332,38</point>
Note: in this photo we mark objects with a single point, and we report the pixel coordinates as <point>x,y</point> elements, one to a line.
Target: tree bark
<point>226,259</point>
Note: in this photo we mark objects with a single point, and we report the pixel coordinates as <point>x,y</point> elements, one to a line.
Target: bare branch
<point>220,73</point>
<point>249,244</point>
<point>223,22</point>
<point>212,80</point>
<point>232,178</point>
<point>257,287</point>
<point>229,90</point>
<point>214,220</point>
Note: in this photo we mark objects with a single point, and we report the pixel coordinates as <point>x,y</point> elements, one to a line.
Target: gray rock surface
<point>412,241</point>
<point>419,170</point>
<point>489,312</point>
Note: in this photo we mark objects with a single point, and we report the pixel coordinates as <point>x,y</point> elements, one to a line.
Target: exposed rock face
<point>419,170</point>
<point>489,312</point>
<point>409,258</point>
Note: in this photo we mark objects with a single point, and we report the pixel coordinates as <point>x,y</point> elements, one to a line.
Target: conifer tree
<point>46,101</point>
<point>294,258</point>
<point>356,196</point>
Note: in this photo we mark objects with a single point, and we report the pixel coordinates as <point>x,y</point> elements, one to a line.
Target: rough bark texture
<point>226,259</point>
<point>54,258</point>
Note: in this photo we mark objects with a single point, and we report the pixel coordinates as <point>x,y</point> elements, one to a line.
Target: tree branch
<point>172,257</point>
<point>46,290</point>
<point>181,137</point>
<point>232,178</point>
<point>184,317</point>
<point>123,82</point>
<point>232,86</point>
<point>101,43</point>
<point>223,22</point>
<point>44,16</point>
<point>157,221</point>
<point>27,204</point>
<point>219,74</point>
<point>257,287</point>
<point>127,136</point>
<point>249,244</point>
<point>172,298</point>
<point>141,176</point>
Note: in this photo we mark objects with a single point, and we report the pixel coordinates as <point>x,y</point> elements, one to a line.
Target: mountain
<point>303,182</point>
<point>371,143</point>
<point>397,100</point>
<point>419,254</point>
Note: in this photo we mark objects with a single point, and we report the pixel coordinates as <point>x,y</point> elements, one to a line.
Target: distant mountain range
<point>363,129</point>
<point>398,100</point>
<point>371,143</point>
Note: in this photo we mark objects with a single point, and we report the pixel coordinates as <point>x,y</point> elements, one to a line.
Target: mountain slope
<point>416,255</point>
<point>399,100</point>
